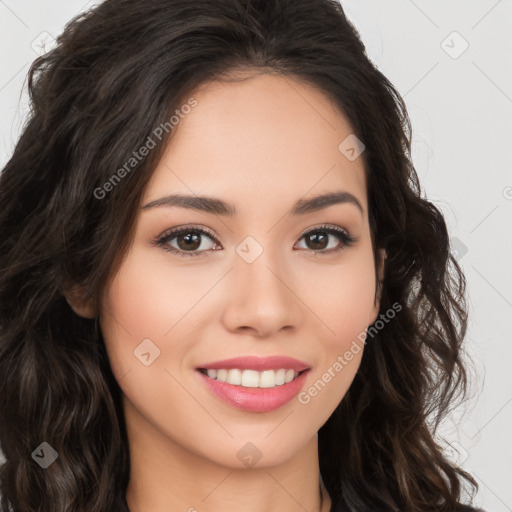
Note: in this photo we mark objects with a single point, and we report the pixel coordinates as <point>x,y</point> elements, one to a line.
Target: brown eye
<point>187,241</point>
<point>317,241</point>
<point>323,239</point>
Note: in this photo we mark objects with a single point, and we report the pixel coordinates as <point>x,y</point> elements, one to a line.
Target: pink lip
<point>258,363</point>
<point>255,399</point>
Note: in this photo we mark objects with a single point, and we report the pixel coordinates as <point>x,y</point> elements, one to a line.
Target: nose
<point>261,297</point>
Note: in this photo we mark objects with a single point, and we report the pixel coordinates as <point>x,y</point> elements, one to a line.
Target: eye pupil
<point>319,239</point>
<point>191,236</point>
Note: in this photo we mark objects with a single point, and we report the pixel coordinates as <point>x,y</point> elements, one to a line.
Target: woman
<point>220,287</point>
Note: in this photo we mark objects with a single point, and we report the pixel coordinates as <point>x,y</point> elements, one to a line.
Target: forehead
<point>265,139</point>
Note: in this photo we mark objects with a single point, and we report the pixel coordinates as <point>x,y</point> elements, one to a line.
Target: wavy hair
<point>115,74</point>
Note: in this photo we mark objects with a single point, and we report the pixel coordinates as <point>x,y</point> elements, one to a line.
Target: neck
<point>166,475</point>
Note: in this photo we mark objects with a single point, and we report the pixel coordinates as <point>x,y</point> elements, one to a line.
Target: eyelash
<point>344,237</point>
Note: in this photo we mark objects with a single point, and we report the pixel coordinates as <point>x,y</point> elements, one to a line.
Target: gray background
<point>460,103</point>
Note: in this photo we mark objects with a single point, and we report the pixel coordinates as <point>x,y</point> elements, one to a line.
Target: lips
<point>255,399</point>
<point>270,393</point>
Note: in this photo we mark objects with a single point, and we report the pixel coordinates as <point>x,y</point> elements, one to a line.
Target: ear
<point>74,295</point>
<point>380,266</point>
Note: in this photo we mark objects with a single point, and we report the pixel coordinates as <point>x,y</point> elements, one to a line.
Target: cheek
<point>345,307</point>
<point>151,300</point>
<point>148,298</point>
<point>341,296</point>
<point>138,306</point>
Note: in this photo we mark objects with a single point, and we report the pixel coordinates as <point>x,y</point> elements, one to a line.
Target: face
<point>258,279</point>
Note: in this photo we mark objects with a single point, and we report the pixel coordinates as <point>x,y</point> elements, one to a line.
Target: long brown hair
<point>115,75</point>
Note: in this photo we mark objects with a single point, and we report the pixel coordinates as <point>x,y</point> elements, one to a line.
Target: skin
<point>261,144</point>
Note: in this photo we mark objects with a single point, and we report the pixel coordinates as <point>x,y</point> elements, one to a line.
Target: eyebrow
<point>219,207</point>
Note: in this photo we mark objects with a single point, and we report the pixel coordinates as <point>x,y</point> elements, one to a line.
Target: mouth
<point>253,378</point>
<point>254,391</point>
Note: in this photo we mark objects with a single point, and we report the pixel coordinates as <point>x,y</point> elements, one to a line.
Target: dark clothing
<point>337,507</point>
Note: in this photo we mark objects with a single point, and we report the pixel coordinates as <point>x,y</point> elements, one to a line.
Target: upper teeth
<point>252,378</point>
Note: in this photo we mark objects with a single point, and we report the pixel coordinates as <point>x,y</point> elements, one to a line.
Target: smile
<point>252,378</point>
<point>254,391</point>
